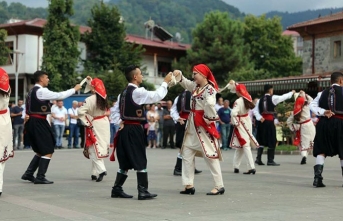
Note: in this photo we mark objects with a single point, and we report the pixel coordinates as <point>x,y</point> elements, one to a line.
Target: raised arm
<point>280,98</point>
<point>46,94</point>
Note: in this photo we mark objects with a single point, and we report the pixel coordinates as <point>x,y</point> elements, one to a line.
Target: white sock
<point>320,160</point>
<point>142,171</point>
<point>341,163</point>
<point>122,171</point>
<point>44,157</point>
<point>179,155</point>
<point>304,153</point>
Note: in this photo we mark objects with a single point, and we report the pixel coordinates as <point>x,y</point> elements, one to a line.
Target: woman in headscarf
<point>6,145</point>
<point>242,138</point>
<point>93,114</point>
<point>300,122</point>
<point>201,136</point>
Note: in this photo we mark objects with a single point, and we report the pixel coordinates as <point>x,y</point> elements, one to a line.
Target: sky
<point>256,7</point>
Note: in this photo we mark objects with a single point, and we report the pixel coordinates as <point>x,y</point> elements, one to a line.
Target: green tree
<point>106,43</point>
<point>271,53</point>
<point>61,54</point>
<point>4,51</point>
<point>218,42</point>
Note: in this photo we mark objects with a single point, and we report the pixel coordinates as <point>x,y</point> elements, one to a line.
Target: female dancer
<point>300,122</point>
<point>93,114</point>
<point>6,145</point>
<point>201,136</point>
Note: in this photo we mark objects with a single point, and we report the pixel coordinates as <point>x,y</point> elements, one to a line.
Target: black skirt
<point>179,134</point>
<point>329,137</point>
<point>131,152</point>
<point>40,135</point>
<point>266,134</point>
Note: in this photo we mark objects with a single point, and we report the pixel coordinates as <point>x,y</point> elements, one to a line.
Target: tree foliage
<point>4,50</point>
<point>270,52</point>
<point>61,53</point>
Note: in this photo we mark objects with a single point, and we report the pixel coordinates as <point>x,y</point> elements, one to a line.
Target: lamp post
<point>17,52</point>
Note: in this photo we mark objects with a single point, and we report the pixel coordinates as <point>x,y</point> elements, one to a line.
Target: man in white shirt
<point>60,115</point>
<point>114,126</point>
<point>37,127</point>
<point>74,129</point>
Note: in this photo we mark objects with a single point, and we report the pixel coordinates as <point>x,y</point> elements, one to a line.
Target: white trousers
<point>304,153</point>
<point>98,165</point>
<point>2,168</point>
<point>188,168</point>
<point>237,159</point>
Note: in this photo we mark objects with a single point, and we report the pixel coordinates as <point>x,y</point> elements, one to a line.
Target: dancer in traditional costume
<point>242,138</point>
<point>93,114</point>
<point>201,135</point>
<point>129,141</point>
<point>180,112</point>
<point>38,128</point>
<point>328,141</point>
<point>300,122</point>
<point>6,145</point>
<point>266,133</point>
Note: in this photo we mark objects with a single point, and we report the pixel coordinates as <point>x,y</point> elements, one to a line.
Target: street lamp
<point>17,52</point>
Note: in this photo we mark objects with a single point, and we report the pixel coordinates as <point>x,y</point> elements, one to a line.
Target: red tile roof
<point>290,33</point>
<point>324,19</point>
<point>38,22</point>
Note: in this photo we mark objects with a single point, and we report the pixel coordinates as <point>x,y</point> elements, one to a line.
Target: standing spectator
<point>82,129</point>
<point>224,114</point>
<point>113,123</point>
<point>17,124</point>
<point>168,126</point>
<point>145,124</point>
<point>152,117</point>
<point>59,114</point>
<point>219,103</point>
<point>74,129</point>
<point>160,125</point>
<point>253,119</point>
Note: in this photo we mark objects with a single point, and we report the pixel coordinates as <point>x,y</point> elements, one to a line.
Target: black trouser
<point>180,133</point>
<point>168,131</point>
<point>82,135</point>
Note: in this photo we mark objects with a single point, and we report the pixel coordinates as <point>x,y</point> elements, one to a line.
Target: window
<point>163,68</point>
<point>337,49</point>
<point>9,44</point>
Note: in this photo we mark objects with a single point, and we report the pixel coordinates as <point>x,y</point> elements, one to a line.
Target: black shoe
<point>272,164</point>
<point>42,168</point>
<point>303,160</point>
<point>259,162</point>
<point>190,191</point>
<point>142,186</point>
<point>252,171</point>
<point>31,169</point>
<point>28,177</point>
<point>117,189</point>
<point>220,191</point>
<point>93,177</point>
<point>318,179</point>
<point>177,172</point>
<point>197,171</point>
<point>236,170</point>
<point>101,176</point>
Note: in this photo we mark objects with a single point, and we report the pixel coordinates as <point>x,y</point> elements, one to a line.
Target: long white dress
<point>6,145</point>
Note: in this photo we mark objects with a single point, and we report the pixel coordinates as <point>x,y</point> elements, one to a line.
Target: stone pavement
<point>274,193</point>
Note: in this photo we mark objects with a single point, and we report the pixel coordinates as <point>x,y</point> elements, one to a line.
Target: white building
<point>297,40</point>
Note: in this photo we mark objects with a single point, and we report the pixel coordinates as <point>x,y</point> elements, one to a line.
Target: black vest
<point>184,102</point>
<point>35,106</point>
<point>332,99</point>
<point>129,110</point>
<point>266,106</point>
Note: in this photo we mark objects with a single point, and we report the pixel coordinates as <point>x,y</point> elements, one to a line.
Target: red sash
<point>199,121</point>
<point>297,139</point>
<point>339,116</point>
<point>90,138</point>
<point>3,111</point>
<point>38,116</point>
<point>238,135</point>
<point>268,117</point>
<point>184,115</point>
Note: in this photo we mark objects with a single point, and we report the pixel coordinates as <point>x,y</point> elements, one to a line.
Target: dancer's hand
<point>181,121</point>
<point>77,87</point>
<point>329,113</point>
<point>168,77</point>
<point>176,73</point>
<point>262,120</point>
<point>121,125</point>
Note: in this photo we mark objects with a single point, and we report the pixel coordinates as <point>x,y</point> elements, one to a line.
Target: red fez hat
<point>243,91</point>
<point>298,105</point>
<point>99,87</point>
<point>4,81</point>
<point>206,72</point>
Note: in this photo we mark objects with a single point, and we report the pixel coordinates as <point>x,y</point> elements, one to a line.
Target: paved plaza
<point>274,193</point>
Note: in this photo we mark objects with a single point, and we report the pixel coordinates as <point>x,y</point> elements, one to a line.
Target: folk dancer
<point>6,145</point>
<point>201,136</point>
<point>180,112</point>
<point>93,115</point>
<point>242,138</point>
<point>38,128</point>
<point>129,141</point>
<point>329,129</point>
<point>300,122</point>
<point>266,133</point>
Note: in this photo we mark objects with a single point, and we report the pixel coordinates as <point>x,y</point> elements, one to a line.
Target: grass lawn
<point>285,147</point>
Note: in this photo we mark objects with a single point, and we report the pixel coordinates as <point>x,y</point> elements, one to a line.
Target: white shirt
<point>314,104</point>
<point>141,96</point>
<point>276,99</point>
<point>217,107</point>
<point>73,111</point>
<point>113,118</point>
<point>173,111</point>
<point>59,112</point>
